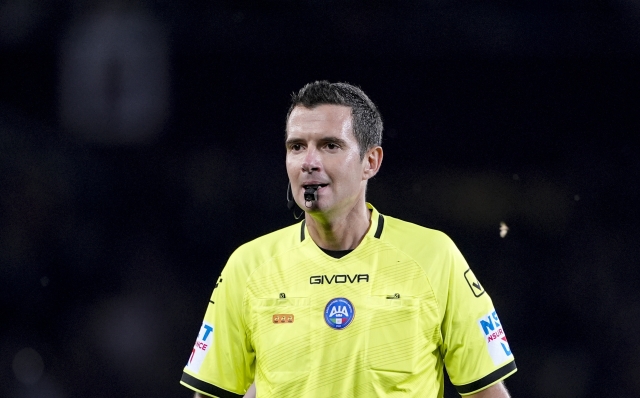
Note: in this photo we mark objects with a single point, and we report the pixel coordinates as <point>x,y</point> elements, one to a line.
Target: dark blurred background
<point>142,142</point>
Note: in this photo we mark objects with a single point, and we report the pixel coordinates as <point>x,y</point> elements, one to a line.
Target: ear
<point>372,162</point>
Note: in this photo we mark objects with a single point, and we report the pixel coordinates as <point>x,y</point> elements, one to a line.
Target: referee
<point>348,302</point>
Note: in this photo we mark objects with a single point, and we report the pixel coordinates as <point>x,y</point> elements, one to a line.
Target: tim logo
<point>200,348</point>
<point>339,313</point>
<point>496,339</point>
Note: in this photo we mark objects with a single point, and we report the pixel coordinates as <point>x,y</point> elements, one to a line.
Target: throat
<point>339,234</point>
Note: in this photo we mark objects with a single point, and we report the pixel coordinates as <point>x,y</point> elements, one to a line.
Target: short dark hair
<point>367,122</point>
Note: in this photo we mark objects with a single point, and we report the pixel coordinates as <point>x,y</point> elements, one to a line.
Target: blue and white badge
<point>497,344</point>
<point>339,313</point>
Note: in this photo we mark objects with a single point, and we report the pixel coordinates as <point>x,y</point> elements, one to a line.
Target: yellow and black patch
<point>473,282</point>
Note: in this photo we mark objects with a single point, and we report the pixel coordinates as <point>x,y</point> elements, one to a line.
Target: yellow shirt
<point>382,321</point>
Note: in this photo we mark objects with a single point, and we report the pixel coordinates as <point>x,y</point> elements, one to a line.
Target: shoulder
<point>248,257</point>
<point>414,238</point>
<point>266,247</point>
<point>432,250</point>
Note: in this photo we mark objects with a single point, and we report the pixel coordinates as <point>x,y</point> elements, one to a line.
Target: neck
<point>340,232</point>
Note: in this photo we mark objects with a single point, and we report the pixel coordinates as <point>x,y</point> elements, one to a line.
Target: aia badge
<point>495,338</point>
<point>339,313</point>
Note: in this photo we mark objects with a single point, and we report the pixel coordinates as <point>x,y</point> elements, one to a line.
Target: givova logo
<point>494,336</point>
<point>200,348</point>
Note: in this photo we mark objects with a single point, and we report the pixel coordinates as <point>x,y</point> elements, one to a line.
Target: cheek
<point>355,167</point>
<point>353,157</point>
<point>350,171</point>
<point>289,165</point>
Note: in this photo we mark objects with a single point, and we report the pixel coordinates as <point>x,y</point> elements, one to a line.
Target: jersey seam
<point>424,273</point>
<point>262,264</point>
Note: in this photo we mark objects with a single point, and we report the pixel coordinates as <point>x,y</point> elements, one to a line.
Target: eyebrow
<point>334,140</point>
<point>340,141</point>
<point>291,141</point>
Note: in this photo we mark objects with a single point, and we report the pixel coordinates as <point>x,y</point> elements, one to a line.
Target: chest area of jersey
<point>335,293</point>
<point>348,312</point>
<point>385,273</point>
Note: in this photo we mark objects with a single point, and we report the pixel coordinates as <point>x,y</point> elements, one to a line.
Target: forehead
<point>320,119</point>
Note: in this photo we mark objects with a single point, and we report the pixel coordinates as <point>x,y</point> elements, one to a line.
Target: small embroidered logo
<point>283,318</point>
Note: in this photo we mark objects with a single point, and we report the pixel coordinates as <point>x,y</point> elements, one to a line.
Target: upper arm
<point>475,349</point>
<point>495,391</point>
<point>251,393</point>
<point>222,360</point>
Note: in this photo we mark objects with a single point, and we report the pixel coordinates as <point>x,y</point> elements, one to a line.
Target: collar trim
<point>379,227</point>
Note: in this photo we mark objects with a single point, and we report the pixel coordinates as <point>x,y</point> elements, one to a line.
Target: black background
<point>494,112</point>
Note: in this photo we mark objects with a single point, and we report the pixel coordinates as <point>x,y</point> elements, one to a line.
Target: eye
<point>295,147</point>
<point>332,145</point>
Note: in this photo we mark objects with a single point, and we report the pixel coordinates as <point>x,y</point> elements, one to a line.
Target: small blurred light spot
<point>28,366</point>
<point>576,197</point>
<point>516,177</point>
<point>44,281</point>
<point>503,229</point>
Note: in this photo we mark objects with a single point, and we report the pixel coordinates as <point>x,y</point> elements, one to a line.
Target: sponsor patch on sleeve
<point>495,338</point>
<point>200,348</point>
<point>474,283</point>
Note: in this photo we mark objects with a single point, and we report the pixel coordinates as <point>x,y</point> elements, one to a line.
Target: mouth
<point>311,192</point>
<point>314,186</point>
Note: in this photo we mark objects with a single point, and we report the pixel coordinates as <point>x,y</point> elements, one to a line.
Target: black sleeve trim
<point>380,226</point>
<point>207,388</point>
<point>488,379</point>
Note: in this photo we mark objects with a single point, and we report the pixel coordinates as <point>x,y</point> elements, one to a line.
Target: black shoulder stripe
<point>207,388</point>
<point>488,379</point>
<point>380,226</point>
<point>302,231</point>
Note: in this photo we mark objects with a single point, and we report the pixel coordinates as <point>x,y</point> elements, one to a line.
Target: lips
<point>317,186</point>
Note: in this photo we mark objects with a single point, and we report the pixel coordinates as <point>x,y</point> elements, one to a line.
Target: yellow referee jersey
<point>380,321</point>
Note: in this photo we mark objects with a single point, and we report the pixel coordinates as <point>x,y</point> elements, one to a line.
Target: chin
<point>315,207</point>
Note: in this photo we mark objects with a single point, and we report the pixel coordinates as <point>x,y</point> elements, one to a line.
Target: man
<point>347,303</point>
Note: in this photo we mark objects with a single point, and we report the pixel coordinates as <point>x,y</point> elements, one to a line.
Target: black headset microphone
<point>310,195</point>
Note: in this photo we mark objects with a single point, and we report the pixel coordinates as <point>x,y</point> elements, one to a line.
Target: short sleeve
<point>475,348</point>
<point>221,363</point>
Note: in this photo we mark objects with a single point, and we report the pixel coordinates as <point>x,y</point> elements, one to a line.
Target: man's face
<point>322,151</point>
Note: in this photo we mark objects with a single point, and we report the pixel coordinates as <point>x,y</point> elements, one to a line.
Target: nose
<point>311,161</point>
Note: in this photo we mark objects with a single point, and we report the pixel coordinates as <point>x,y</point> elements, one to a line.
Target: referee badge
<point>339,313</point>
